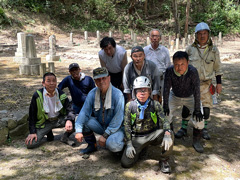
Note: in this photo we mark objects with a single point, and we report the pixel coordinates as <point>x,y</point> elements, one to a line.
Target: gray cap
<point>73,65</point>
<point>100,72</point>
<point>137,49</point>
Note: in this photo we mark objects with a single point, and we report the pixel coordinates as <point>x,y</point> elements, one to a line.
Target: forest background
<point>171,16</point>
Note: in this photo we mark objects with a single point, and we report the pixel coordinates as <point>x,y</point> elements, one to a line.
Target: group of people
<point>125,106</point>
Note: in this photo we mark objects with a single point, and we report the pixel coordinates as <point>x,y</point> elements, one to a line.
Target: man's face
<point>50,83</point>
<point>142,94</point>
<point>202,37</point>
<point>155,38</point>
<point>75,73</point>
<point>103,83</point>
<point>109,50</point>
<point>138,58</point>
<point>180,65</point>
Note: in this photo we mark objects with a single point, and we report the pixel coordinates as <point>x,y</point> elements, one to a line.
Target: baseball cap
<point>100,72</point>
<point>73,65</point>
<point>137,49</point>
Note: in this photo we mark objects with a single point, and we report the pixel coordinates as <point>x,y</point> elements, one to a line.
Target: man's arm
<point>196,84</point>
<point>103,64</point>
<point>126,78</point>
<point>124,61</point>
<point>127,122</point>
<point>167,86</point>
<point>63,83</point>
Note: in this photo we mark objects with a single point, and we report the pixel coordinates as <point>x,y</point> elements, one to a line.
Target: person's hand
<point>167,141</point>
<point>69,126</point>
<point>102,141</point>
<point>219,88</point>
<point>130,152</point>
<point>198,115</point>
<point>30,138</point>
<point>166,111</point>
<point>79,137</point>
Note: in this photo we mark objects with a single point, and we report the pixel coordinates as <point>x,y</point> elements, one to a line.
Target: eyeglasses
<point>155,36</point>
<point>141,90</point>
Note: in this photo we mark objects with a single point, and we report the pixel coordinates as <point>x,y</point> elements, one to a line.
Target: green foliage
<point>94,25</point>
<point>4,20</point>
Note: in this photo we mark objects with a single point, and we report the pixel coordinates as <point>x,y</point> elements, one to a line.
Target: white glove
<point>130,150</point>
<point>167,141</point>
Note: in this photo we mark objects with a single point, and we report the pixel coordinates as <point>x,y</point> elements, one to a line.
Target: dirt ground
<point>54,160</point>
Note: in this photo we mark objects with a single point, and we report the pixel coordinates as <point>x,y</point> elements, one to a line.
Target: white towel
<point>108,100</point>
<point>46,98</point>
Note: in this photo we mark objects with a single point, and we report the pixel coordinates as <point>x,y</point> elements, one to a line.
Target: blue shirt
<point>113,117</point>
<point>78,89</point>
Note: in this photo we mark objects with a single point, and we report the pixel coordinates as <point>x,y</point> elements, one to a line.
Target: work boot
<point>164,166</point>
<point>197,134</point>
<point>182,132</point>
<point>92,144</point>
<point>65,139</point>
<point>50,136</point>
<point>205,134</point>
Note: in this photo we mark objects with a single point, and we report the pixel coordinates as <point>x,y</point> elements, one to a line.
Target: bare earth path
<point>54,160</point>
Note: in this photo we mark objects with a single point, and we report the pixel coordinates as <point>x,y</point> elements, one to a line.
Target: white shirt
<point>159,56</point>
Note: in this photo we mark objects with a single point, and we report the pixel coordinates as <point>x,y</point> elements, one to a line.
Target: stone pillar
<point>177,44</point>
<point>110,33</point>
<point>135,39</point>
<point>169,41</point>
<point>172,45</point>
<point>85,35</point>
<point>98,37</point>
<point>132,34</point>
<point>122,38</point>
<point>51,67</point>
<point>148,41</point>
<point>42,69</point>
<point>183,43</point>
<point>21,49</point>
<point>220,38</point>
<point>52,49</point>
<point>71,43</point>
<point>30,64</point>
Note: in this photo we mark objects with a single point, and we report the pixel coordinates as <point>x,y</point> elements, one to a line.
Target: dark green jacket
<point>37,115</point>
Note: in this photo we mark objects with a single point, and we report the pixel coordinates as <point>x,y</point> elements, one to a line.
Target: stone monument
<point>52,49</point>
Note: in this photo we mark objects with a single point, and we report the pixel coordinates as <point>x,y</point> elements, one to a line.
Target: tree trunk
<point>145,7</point>
<point>187,16</point>
<point>175,14</point>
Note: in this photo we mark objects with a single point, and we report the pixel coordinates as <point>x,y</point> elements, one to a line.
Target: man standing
<point>102,113</point>
<point>159,54</point>
<point>49,109</point>
<point>114,58</point>
<point>140,67</point>
<point>78,84</point>
<point>145,124</point>
<point>184,81</point>
<point>204,56</point>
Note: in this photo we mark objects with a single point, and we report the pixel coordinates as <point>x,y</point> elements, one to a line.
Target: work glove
<point>130,150</point>
<point>198,115</point>
<point>167,141</point>
<point>166,111</point>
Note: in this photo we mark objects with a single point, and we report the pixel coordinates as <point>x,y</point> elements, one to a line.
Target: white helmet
<point>202,26</point>
<point>141,82</point>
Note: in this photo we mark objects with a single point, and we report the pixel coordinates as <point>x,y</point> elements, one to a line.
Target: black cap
<point>73,65</point>
<point>137,49</point>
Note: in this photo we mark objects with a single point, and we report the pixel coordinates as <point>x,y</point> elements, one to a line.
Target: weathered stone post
<point>21,49</point>
<point>177,44</point>
<point>172,45</point>
<point>42,69</point>
<point>71,43</point>
<point>98,37</point>
<point>110,33</point>
<point>148,41</point>
<point>183,43</point>
<point>51,67</point>
<point>52,49</point>
<point>135,39</point>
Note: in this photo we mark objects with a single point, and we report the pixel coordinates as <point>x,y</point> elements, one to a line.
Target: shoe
<point>182,132</point>
<point>197,134</point>
<point>50,136</point>
<point>205,134</point>
<point>164,166</point>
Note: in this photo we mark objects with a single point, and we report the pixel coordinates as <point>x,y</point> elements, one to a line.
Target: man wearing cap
<point>78,84</point>
<point>159,54</point>
<point>114,58</point>
<point>140,67</point>
<point>205,57</point>
<point>101,113</point>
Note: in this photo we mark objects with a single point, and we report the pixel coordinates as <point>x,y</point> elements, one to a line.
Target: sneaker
<point>164,166</point>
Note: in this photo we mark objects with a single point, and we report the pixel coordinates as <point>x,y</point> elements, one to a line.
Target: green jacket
<point>37,115</point>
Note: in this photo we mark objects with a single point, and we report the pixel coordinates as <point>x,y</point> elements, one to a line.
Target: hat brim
<point>100,76</point>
